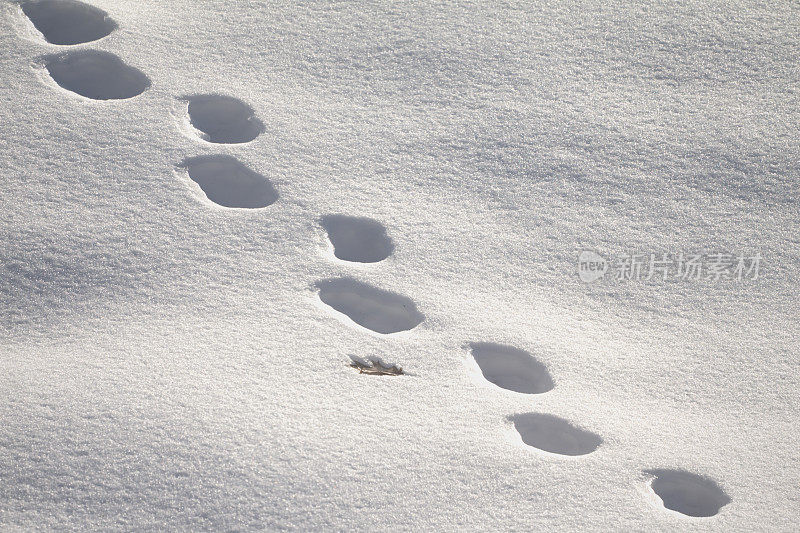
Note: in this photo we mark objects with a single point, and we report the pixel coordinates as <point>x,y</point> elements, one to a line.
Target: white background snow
<point>167,363</point>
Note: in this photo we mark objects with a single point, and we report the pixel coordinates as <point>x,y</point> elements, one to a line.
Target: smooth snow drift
<point>96,75</point>
<point>555,435</point>
<point>68,22</point>
<point>511,368</point>
<point>688,493</point>
<point>223,119</point>
<point>375,309</point>
<point>227,182</point>
<point>358,239</point>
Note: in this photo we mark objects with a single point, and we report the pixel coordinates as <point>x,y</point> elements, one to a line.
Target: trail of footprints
<point>219,119</point>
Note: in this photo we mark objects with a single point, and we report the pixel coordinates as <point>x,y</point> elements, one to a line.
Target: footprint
<point>555,435</point>
<point>68,21</point>
<point>96,75</point>
<point>688,493</point>
<point>227,182</point>
<point>511,368</point>
<point>223,119</point>
<point>373,308</point>
<point>362,240</point>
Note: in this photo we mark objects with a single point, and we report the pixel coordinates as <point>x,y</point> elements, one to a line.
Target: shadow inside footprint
<point>370,307</point>
<point>511,368</point>
<point>555,435</point>
<point>227,182</point>
<point>688,493</point>
<point>96,75</point>
<point>68,21</point>
<point>358,239</point>
<point>223,119</point>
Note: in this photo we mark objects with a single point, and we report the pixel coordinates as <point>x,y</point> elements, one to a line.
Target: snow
<point>171,363</point>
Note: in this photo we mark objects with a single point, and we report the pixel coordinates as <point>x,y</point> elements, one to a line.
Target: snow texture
<point>169,363</point>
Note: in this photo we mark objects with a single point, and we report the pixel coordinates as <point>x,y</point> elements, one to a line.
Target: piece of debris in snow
<point>375,366</point>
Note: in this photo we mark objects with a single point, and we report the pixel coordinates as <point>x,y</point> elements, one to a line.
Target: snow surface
<point>167,362</point>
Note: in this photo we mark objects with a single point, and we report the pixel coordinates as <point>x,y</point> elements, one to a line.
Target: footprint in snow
<point>357,239</point>
<point>96,75</point>
<point>227,182</point>
<point>511,368</point>
<point>223,119</point>
<point>555,435</point>
<point>376,309</point>
<point>67,22</point>
<point>687,493</point>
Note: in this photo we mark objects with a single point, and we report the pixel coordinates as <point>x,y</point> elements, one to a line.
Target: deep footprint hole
<point>555,435</point>
<point>223,119</point>
<point>376,309</point>
<point>688,493</point>
<point>96,75</point>
<point>357,239</point>
<point>227,182</point>
<point>67,22</point>
<point>511,368</point>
